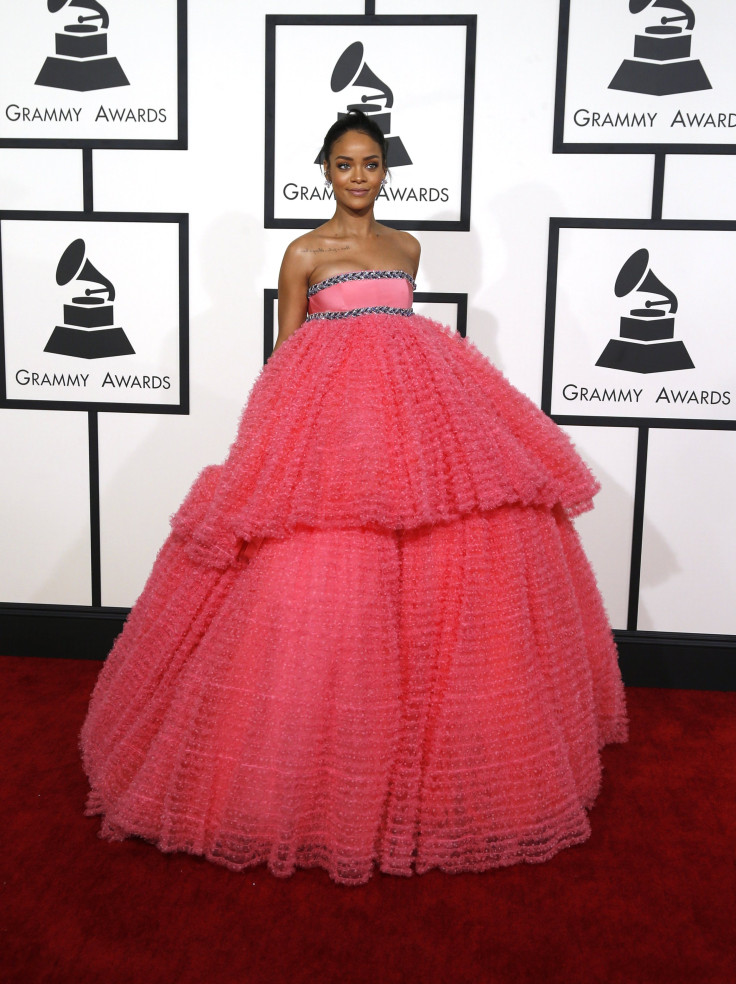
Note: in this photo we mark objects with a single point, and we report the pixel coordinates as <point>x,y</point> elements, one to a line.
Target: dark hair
<point>355,120</point>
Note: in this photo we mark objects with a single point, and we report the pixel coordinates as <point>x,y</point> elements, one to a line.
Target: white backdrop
<point>147,462</point>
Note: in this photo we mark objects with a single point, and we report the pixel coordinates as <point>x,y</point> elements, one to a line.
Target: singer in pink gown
<point>372,639</point>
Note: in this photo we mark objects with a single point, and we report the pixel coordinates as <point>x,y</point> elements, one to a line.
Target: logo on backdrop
<point>88,331</point>
<point>662,64</point>
<point>352,70</point>
<point>82,323</point>
<point>412,75</point>
<point>646,341</point>
<point>667,289</point>
<point>81,61</point>
<point>643,75</point>
<point>86,73</point>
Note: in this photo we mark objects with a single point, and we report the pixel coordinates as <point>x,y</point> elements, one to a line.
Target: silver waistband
<point>356,312</point>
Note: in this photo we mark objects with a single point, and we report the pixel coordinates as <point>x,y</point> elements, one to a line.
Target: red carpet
<point>650,898</point>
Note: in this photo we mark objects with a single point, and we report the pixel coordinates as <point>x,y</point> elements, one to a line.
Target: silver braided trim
<point>342,278</point>
<point>355,312</point>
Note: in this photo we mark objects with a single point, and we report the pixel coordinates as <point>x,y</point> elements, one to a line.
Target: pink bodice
<point>361,292</point>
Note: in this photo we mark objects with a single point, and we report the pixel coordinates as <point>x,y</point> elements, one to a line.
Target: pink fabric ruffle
<point>362,699</point>
<point>378,421</point>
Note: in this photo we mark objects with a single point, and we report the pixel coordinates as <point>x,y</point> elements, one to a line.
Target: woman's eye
<point>343,165</point>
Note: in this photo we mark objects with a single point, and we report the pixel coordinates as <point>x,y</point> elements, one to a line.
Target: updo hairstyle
<point>353,121</point>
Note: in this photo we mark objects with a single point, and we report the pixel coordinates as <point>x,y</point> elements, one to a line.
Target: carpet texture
<point>651,897</point>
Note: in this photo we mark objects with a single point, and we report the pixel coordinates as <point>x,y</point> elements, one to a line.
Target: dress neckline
<point>340,278</point>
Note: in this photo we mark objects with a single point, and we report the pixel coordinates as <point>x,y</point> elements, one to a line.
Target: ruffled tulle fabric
<point>372,640</point>
<point>384,422</point>
<point>361,699</point>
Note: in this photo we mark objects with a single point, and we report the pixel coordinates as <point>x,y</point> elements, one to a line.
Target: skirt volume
<point>372,639</point>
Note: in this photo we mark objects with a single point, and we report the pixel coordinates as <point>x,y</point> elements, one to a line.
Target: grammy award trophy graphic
<point>351,70</point>
<point>81,62</point>
<point>88,331</point>
<point>646,340</point>
<point>662,64</point>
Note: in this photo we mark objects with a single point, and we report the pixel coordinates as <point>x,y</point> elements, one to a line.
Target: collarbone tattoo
<point>326,249</point>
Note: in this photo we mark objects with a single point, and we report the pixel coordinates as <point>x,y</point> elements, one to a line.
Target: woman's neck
<point>346,224</point>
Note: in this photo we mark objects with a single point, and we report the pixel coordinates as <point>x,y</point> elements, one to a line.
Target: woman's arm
<point>293,285</point>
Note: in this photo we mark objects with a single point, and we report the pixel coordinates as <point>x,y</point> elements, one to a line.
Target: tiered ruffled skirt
<point>372,638</point>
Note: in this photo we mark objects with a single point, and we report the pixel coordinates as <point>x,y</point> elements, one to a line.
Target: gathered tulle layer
<point>362,698</point>
<point>376,422</point>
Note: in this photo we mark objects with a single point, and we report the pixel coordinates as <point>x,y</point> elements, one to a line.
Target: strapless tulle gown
<point>372,639</point>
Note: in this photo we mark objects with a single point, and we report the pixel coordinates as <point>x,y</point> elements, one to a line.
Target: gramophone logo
<point>81,62</point>
<point>646,341</point>
<point>662,65</point>
<point>351,70</point>
<point>88,331</point>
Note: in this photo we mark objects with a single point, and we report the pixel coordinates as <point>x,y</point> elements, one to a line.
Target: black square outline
<point>181,141</point>
<point>555,224</point>
<point>271,294</point>
<point>179,218</point>
<point>469,21</point>
<point>559,146</point>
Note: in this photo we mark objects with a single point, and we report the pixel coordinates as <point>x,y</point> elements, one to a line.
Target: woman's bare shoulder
<point>412,244</point>
<point>305,245</point>
<point>302,253</point>
<point>404,243</point>
<point>309,250</point>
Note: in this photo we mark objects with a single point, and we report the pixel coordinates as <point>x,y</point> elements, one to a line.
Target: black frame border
<point>557,223</point>
<point>179,218</point>
<point>181,141</point>
<point>469,21</point>
<point>560,146</point>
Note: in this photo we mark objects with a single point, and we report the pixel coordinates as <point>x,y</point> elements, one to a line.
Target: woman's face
<point>356,170</point>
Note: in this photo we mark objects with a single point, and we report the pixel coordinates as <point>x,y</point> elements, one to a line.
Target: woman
<point>372,638</point>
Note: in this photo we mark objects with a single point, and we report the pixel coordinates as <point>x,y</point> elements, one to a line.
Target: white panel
<point>41,179</point>
<point>147,464</point>
<point>610,452</point>
<point>700,187</point>
<point>688,577</point>
<point>140,482</point>
<point>44,503</point>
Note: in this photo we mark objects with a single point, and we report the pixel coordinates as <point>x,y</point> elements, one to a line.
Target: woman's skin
<point>351,239</point>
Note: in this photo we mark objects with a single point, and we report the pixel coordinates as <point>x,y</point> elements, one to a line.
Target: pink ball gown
<point>372,639</point>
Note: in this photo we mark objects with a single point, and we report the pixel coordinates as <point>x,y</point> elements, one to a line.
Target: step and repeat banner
<point>197,128</point>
